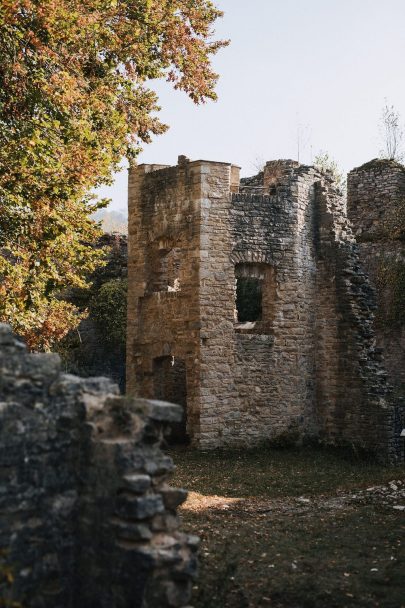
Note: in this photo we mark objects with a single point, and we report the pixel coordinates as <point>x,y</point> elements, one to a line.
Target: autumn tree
<point>73,102</point>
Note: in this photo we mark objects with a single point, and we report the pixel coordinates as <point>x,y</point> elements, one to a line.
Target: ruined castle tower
<point>248,306</point>
<point>376,208</point>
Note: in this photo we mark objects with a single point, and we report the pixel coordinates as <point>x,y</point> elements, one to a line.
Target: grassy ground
<point>294,529</point>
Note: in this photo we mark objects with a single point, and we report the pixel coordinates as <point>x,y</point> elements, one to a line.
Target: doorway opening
<point>170,384</point>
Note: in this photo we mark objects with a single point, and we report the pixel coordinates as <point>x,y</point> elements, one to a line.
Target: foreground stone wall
<point>306,366</point>
<point>87,516</point>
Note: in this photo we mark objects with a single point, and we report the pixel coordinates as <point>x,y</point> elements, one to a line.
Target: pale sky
<point>320,68</point>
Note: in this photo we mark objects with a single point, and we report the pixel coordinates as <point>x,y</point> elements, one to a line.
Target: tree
<point>109,309</point>
<point>392,134</point>
<point>73,102</point>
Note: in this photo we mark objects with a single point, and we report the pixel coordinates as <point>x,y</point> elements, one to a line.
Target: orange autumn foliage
<point>73,102</point>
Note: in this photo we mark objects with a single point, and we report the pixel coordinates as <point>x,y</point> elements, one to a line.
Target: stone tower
<point>248,306</point>
<point>376,208</point>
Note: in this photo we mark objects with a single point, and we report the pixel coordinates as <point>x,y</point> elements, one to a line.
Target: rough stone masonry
<point>248,305</point>
<point>87,518</point>
<point>376,208</point>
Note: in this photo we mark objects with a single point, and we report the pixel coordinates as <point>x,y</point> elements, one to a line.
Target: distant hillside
<point>112,221</point>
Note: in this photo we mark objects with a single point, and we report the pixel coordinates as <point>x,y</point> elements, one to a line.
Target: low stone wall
<point>87,517</point>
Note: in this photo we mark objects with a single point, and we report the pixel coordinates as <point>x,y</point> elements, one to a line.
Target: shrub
<point>108,307</point>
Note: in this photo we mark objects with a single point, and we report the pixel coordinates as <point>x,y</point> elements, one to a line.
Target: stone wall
<point>376,208</point>
<point>354,401</point>
<point>165,209</point>
<point>87,516</point>
<point>306,367</point>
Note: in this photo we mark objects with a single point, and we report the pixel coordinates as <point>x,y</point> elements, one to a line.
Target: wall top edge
<point>191,162</point>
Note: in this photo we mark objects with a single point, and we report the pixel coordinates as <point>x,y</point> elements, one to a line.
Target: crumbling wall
<point>87,516</point>
<point>376,208</point>
<point>354,402</point>
<point>309,366</point>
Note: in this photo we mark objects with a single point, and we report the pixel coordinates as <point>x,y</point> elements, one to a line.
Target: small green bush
<point>108,307</point>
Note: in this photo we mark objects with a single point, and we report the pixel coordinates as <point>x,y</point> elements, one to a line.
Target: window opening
<point>256,295</point>
<point>249,295</point>
<point>165,274</point>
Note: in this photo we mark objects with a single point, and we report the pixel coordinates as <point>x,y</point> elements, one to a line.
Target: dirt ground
<point>294,529</point>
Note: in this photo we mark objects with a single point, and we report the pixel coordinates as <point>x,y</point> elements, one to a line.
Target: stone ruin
<point>249,306</point>
<point>376,208</point>
<point>88,519</point>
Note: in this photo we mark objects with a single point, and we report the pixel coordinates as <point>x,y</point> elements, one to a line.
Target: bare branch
<point>392,134</point>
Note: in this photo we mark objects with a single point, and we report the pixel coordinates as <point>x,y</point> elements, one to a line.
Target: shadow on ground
<point>294,529</point>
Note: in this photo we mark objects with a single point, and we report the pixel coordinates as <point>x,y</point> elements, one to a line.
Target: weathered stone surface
<point>173,497</point>
<point>130,531</point>
<point>376,208</point>
<point>81,490</point>
<point>160,411</point>
<point>307,365</point>
<point>137,483</point>
<point>129,507</point>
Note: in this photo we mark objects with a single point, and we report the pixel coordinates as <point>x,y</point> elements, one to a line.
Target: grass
<point>293,529</point>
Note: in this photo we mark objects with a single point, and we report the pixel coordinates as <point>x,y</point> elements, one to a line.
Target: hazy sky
<point>320,68</point>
